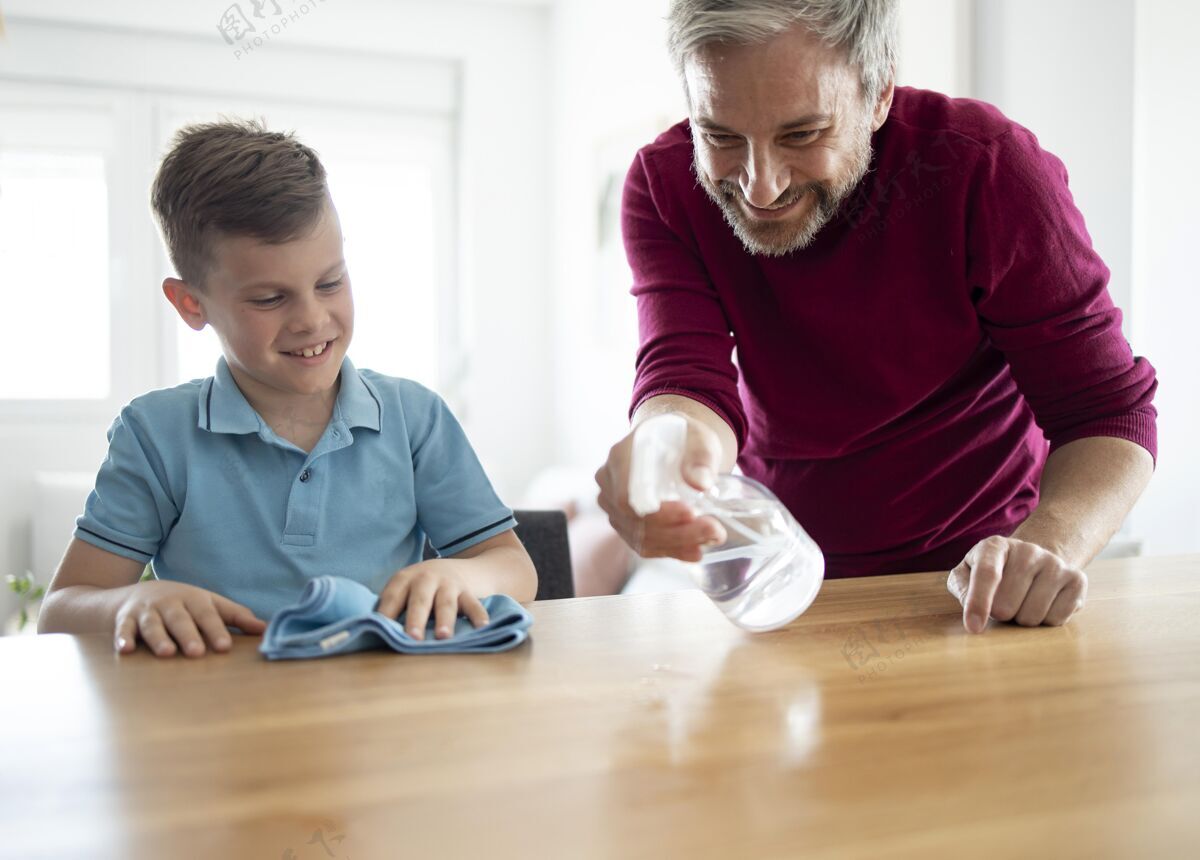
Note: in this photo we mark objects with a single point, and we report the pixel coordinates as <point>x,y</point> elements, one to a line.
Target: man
<point>924,337</point>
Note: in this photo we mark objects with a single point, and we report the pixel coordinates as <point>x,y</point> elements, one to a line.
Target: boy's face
<point>283,312</point>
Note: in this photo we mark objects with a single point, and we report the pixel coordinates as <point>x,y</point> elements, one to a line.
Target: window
<point>388,219</point>
<point>54,248</point>
<point>54,244</point>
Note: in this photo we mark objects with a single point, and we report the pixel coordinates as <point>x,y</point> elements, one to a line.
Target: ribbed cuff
<point>1139,427</point>
<point>736,423</point>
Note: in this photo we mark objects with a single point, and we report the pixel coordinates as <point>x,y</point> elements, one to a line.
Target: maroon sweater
<point>899,382</point>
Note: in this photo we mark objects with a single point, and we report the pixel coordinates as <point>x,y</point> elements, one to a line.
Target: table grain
<point>635,726</point>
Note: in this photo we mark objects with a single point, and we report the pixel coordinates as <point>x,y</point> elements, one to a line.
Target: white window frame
<point>124,310</point>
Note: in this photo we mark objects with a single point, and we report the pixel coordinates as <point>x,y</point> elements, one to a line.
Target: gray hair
<point>865,29</point>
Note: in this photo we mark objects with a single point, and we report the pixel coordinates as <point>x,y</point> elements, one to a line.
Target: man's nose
<point>764,178</point>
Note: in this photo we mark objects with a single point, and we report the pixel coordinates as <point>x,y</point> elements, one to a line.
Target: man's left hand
<point>1014,580</point>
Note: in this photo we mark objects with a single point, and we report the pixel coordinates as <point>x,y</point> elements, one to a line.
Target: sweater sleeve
<point>1041,292</point>
<point>686,343</point>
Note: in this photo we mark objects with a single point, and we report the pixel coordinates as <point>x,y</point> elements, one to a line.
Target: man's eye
<point>331,286</point>
<point>801,136</point>
<point>720,139</point>
<point>266,302</point>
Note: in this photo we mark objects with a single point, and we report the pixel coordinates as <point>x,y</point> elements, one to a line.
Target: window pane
<point>54,274</point>
<point>387,215</point>
<point>198,351</point>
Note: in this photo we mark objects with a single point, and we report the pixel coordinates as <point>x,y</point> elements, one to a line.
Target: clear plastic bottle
<point>768,570</point>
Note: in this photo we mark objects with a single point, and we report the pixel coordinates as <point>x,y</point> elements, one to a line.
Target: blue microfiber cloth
<point>336,615</point>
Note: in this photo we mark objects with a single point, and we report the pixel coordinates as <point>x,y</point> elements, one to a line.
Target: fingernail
<point>223,642</point>
<point>976,622</point>
<point>121,644</point>
<point>443,632</point>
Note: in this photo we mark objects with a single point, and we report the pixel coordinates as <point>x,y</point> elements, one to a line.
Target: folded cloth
<point>336,615</point>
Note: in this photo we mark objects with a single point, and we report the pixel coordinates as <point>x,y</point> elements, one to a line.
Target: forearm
<point>1088,488</point>
<point>81,609</point>
<point>675,403</point>
<point>499,570</point>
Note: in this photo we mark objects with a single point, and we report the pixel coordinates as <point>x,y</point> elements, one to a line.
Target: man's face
<point>782,135</point>
<point>284,313</point>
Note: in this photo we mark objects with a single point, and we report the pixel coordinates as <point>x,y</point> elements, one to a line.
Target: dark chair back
<point>544,534</point>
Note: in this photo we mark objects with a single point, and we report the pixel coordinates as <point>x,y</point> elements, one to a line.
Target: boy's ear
<point>184,300</point>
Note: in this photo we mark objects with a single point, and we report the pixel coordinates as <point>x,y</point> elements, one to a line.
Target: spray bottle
<point>768,570</point>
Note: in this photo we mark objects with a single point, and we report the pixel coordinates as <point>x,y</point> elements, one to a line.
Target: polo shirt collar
<point>224,409</point>
<point>358,402</point>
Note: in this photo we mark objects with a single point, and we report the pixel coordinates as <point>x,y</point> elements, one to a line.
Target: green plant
<point>28,592</point>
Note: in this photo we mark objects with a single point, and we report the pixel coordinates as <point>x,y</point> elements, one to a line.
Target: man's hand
<point>431,586</point>
<point>171,616</point>
<point>1014,580</point>
<point>673,530</point>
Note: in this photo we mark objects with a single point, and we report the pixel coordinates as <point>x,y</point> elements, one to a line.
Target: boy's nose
<point>308,315</point>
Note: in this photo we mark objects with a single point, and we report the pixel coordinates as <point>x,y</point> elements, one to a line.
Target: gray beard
<point>778,239</point>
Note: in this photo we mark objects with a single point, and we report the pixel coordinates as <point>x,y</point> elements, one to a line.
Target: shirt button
<point>305,475</point>
<point>337,434</point>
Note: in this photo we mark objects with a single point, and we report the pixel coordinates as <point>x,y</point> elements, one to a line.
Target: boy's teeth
<point>309,353</point>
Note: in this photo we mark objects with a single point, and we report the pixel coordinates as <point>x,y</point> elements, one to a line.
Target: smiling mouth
<point>773,211</point>
<point>310,351</point>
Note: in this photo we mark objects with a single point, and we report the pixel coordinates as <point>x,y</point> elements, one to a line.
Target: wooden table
<point>641,726</point>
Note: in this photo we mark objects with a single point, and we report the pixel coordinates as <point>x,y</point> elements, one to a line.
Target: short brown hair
<point>234,178</point>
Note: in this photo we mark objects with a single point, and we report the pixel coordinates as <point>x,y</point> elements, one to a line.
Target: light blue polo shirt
<point>198,484</point>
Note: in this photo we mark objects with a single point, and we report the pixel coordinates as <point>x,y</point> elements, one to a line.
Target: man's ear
<point>884,103</point>
<point>183,299</point>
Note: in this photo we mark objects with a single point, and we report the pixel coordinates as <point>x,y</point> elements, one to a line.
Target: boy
<point>288,463</point>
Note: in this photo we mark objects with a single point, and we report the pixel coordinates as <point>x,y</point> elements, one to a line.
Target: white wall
<point>1064,69</point>
<point>502,193</point>
<point>1166,297</point>
<point>935,46</point>
<point>606,104</point>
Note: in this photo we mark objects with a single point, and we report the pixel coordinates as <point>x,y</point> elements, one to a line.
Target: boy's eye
<point>272,301</point>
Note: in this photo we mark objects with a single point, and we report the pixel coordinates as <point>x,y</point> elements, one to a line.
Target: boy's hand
<point>435,586</point>
<point>170,616</point>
